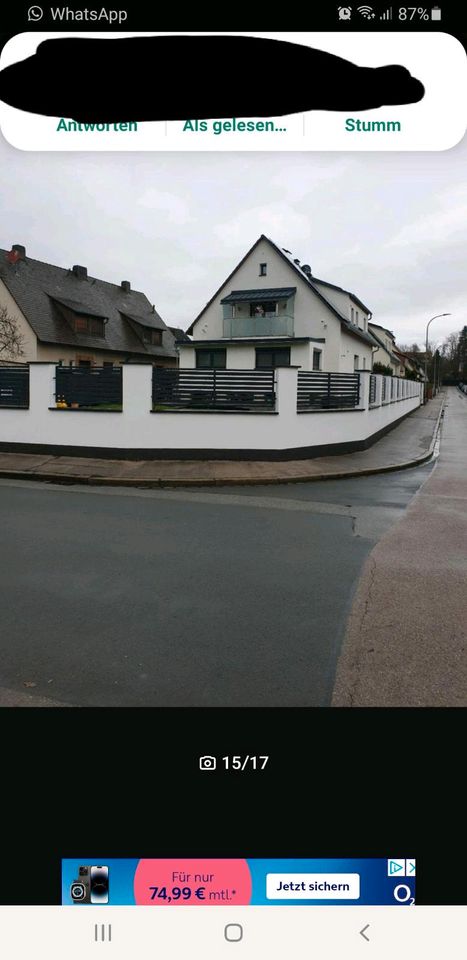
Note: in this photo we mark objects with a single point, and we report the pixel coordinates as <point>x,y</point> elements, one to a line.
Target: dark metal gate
<point>211,389</point>
<point>92,387</point>
<point>327,390</point>
<point>14,385</point>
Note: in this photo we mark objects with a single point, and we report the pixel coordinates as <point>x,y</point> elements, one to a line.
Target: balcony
<point>270,325</point>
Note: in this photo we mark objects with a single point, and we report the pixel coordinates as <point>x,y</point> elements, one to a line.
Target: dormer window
<point>89,326</point>
<point>154,337</point>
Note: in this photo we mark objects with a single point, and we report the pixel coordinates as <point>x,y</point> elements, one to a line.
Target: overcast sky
<point>390,227</point>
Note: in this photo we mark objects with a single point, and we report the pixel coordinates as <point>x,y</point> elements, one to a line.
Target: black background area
<point>340,783</point>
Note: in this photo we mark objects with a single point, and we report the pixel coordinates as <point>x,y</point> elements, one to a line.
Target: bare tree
<point>450,347</point>
<point>11,339</point>
<point>463,352</point>
<point>409,348</point>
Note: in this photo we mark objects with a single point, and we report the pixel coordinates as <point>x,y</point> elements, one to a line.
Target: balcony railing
<point>271,325</point>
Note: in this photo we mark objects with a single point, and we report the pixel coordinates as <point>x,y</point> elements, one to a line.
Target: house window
<point>363,363</point>
<point>211,358</point>
<point>356,317</point>
<point>263,269</point>
<point>352,314</point>
<point>153,337</point>
<point>261,309</point>
<point>84,361</point>
<point>316,359</point>
<point>91,326</point>
<point>267,359</point>
<point>356,361</point>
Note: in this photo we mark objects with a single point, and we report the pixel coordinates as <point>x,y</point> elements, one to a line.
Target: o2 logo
<point>403,894</point>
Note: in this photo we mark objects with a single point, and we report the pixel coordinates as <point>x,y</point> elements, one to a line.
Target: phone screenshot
<point>233,481</point>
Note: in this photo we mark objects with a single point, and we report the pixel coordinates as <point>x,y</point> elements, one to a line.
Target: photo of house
<point>272,311</point>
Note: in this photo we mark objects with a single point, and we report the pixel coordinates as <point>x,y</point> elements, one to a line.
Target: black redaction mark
<point>203,77</point>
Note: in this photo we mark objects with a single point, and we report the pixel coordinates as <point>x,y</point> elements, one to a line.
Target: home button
<point>233,932</point>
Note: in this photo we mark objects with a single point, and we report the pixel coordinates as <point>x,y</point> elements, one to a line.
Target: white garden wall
<point>136,431</point>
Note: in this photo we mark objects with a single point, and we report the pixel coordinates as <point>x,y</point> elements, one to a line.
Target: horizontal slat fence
<point>211,389</point>
<point>326,391</point>
<point>14,385</point>
<point>89,386</point>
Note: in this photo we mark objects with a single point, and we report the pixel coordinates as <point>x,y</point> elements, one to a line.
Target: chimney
<point>80,273</point>
<point>297,263</point>
<point>16,253</point>
<point>126,286</point>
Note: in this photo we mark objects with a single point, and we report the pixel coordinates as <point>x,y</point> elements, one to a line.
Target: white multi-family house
<point>272,311</point>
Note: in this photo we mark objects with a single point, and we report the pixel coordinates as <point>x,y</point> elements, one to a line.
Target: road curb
<point>97,481</point>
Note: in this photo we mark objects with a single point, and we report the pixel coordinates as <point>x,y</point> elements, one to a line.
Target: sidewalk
<point>407,445</point>
<point>407,635</point>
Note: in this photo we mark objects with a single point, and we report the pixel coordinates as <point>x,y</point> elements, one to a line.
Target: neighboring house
<point>271,311</point>
<point>409,365</point>
<point>418,360</point>
<point>385,354</point>
<point>179,334</point>
<point>66,315</point>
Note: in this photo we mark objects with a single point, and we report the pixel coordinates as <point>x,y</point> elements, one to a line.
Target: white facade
<point>316,311</point>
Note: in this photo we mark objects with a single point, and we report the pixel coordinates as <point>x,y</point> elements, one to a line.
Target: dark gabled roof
<point>333,286</point>
<point>151,320</point>
<point>257,296</point>
<point>79,308</point>
<point>179,334</point>
<point>308,280</point>
<point>40,289</point>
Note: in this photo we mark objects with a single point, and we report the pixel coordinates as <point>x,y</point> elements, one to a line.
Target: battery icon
<point>436,13</point>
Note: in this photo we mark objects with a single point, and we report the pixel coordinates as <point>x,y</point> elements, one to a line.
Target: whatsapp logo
<point>35,13</point>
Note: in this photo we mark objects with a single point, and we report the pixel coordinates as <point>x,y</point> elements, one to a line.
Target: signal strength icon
<point>366,12</point>
<point>387,15</point>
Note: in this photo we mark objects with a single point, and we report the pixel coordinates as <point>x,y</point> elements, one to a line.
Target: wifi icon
<point>366,12</point>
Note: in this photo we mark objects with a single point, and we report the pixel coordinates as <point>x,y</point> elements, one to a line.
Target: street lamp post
<point>436,317</point>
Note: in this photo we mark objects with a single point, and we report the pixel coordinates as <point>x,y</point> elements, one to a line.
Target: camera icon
<point>207,763</point>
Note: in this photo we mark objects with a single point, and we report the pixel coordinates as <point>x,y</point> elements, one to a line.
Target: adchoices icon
<point>401,868</point>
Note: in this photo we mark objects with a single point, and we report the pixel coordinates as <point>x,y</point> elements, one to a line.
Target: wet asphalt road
<point>219,597</point>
